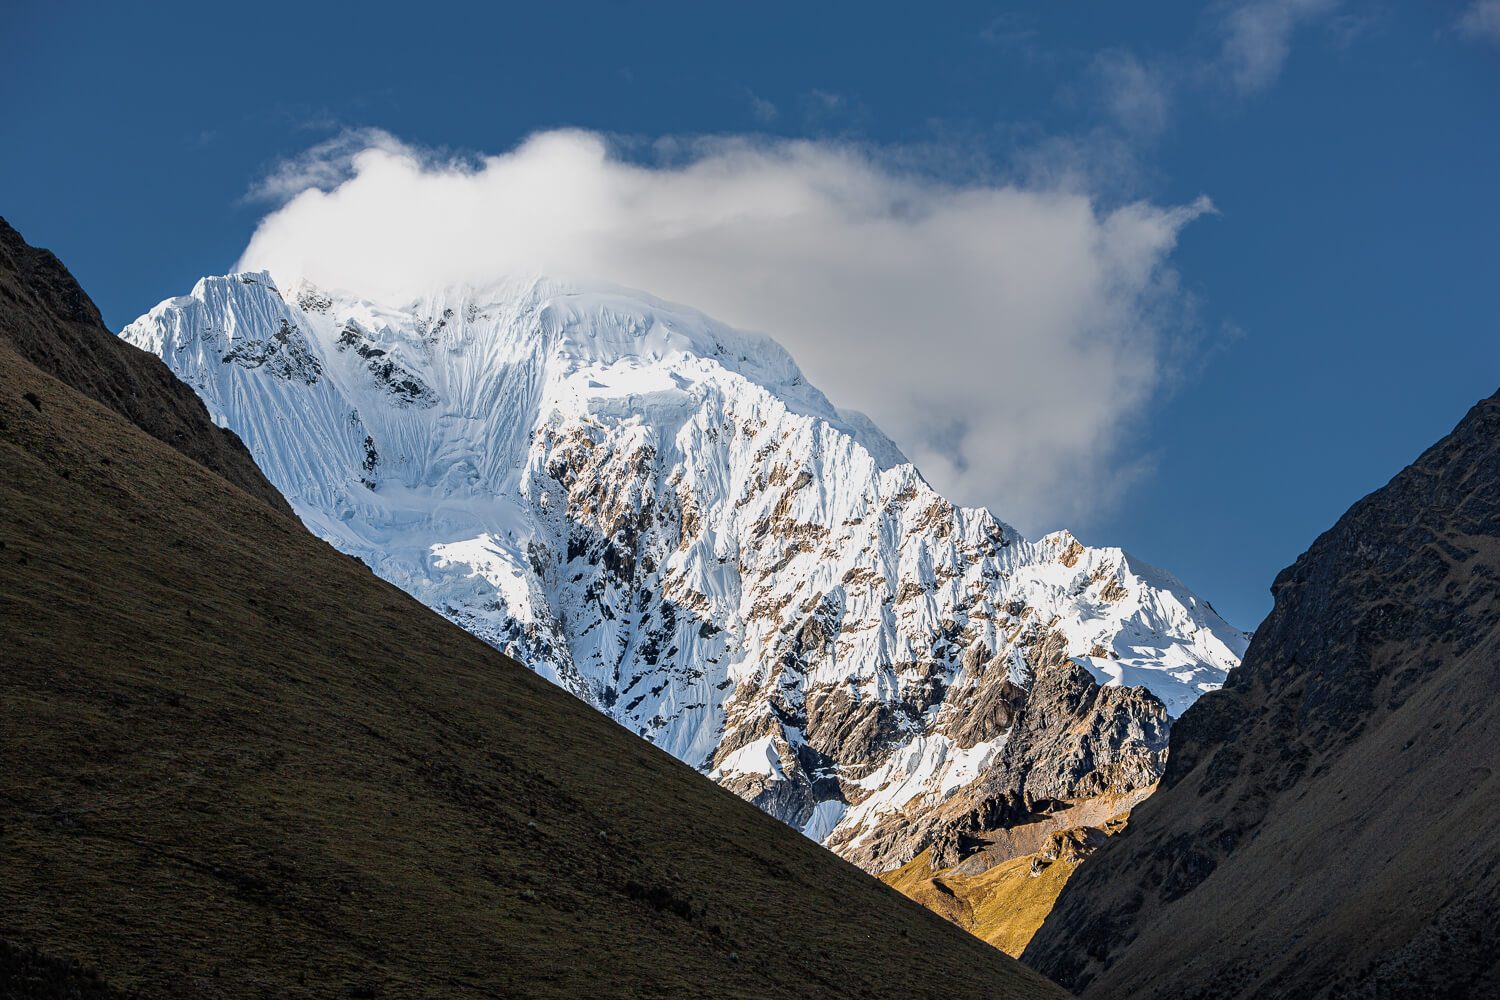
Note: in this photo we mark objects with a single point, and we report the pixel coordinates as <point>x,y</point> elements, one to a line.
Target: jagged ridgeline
<point>237,764</point>
<point>661,515</point>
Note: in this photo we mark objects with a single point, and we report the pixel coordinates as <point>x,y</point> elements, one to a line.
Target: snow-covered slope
<point>661,515</point>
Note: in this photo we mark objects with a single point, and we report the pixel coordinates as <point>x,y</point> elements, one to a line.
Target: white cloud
<point>1137,97</point>
<point>1481,21</point>
<point>1257,36</point>
<point>1005,336</point>
<point>764,111</point>
<point>323,166</point>
<point>824,102</point>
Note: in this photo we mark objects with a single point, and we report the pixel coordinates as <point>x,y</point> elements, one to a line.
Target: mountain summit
<point>660,514</point>
<point>236,764</point>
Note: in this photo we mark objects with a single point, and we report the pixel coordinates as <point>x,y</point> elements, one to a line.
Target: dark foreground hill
<point>1329,824</point>
<point>234,763</point>
<point>48,320</point>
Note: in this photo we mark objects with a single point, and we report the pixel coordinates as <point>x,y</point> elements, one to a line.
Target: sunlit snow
<point>660,514</point>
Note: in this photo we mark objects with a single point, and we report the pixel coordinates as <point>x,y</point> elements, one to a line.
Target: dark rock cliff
<point>1329,824</point>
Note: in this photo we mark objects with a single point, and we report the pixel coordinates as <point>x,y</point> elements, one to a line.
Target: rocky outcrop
<point>1070,739</point>
<point>1329,823</point>
<point>285,353</point>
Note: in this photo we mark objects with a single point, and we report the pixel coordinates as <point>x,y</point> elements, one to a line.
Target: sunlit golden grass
<point>1003,906</point>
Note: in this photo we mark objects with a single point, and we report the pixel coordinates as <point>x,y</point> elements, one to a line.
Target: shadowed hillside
<point>237,764</point>
<point>50,322</point>
<point>1328,824</point>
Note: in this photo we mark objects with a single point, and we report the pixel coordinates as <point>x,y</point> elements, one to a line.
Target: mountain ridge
<point>49,320</point>
<point>661,514</point>
<point>1327,823</point>
<point>238,764</point>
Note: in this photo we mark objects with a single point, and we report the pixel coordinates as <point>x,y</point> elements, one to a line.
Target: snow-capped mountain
<point>660,514</point>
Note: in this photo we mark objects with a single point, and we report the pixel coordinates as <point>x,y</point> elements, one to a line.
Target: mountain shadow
<point>48,320</point>
<point>1329,824</point>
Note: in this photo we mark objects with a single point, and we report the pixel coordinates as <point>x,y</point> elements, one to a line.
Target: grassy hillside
<point>1004,890</point>
<point>1003,905</point>
<point>49,321</point>
<point>237,764</point>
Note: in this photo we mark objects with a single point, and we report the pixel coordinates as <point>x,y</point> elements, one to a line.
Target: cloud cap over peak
<point>1004,336</point>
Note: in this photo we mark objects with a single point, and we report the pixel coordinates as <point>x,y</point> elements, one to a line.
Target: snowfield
<point>661,515</point>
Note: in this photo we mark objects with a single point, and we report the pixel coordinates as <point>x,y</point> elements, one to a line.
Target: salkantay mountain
<point>660,514</point>
<point>236,764</point>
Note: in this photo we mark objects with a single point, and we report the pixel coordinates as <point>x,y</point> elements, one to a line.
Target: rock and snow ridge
<point>660,514</point>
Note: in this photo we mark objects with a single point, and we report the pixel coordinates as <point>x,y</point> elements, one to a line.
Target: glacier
<point>660,514</point>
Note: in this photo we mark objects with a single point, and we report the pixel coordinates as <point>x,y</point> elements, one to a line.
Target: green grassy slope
<point>234,763</point>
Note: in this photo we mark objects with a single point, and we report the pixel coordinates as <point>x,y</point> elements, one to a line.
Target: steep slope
<point>1004,884</point>
<point>237,764</point>
<point>660,514</point>
<point>50,322</point>
<point>1329,823</point>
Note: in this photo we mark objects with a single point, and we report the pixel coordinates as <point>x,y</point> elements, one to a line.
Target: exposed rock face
<point>1329,823</point>
<point>1071,739</point>
<point>659,514</point>
<point>52,323</point>
<point>285,353</point>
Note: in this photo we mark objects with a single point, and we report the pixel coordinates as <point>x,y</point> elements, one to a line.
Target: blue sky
<point>1337,312</point>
